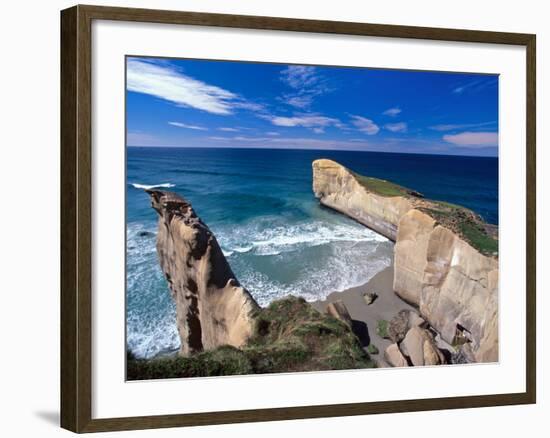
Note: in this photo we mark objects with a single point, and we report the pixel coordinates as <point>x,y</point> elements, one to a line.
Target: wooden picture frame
<point>76,217</point>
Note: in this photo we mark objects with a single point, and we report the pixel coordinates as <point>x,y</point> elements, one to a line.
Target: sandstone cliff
<point>453,284</point>
<point>339,188</point>
<point>444,258</point>
<point>212,308</point>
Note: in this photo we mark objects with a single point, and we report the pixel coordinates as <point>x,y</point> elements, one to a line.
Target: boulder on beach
<point>419,346</point>
<point>401,323</point>
<point>369,297</point>
<point>394,357</point>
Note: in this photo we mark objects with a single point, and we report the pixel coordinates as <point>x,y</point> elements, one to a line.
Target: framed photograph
<point>268,218</point>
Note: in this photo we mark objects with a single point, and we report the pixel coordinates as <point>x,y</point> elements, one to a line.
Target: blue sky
<point>196,103</point>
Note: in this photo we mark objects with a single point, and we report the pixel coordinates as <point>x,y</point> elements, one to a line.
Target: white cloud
<point>273,133</point>
<point>296,142</point>
<point>299,76</point>
<point>227,129</point>
<point>166,82</point>
<point>392,112</point>
<point>365,125</point>
<point>396,127</point>
<point>306,82</point>
<point>473,139</point>
<point>452,127</point>
<point>250,106</point>
<point>301,102</point>
<point>313,121</point>
<point>183,125</point>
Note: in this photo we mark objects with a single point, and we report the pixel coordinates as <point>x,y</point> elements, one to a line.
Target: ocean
<point>278,239</point>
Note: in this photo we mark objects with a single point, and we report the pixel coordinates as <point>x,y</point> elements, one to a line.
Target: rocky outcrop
<point>338,188</point>
<point>453,284</point>
<point>394,357</point>
<point>451,275</point>
<point>419,346</point>
<point>212,308</point>
<point>401,323</point>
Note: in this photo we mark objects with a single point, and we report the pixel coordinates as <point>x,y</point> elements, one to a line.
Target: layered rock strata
<point>212,308</point>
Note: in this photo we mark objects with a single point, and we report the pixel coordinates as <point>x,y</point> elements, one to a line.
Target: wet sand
<point>365,317</point>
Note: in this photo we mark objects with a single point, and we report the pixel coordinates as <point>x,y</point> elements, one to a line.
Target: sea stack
<point>445,256</point>
<point>212,308</point>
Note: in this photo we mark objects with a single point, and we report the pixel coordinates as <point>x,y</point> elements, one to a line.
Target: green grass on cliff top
<point>289,336</point>
<point>464,223</point>
<point>382,187</point>
<point>458,219</point>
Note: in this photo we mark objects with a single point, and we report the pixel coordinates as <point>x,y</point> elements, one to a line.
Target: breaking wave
<point>153,186</point>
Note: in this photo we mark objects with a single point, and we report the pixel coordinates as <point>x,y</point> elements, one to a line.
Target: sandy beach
<point>365,317</point>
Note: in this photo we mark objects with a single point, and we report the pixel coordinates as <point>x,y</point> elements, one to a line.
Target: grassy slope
<point>465,223</point>
<point>458,219</point>
<point>381,187</point>
<point>290,335</point>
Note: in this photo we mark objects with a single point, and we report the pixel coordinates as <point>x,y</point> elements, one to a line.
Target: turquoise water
<point>276,236</point>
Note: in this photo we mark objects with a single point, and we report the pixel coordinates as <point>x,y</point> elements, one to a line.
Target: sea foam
<point>150,311</point>
<point>310,259</point>
<point>153,186</point>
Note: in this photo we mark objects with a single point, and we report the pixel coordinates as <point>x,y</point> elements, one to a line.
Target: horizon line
<point>312,149</point>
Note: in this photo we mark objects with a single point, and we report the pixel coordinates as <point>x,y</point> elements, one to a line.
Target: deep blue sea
<point>278,239</point>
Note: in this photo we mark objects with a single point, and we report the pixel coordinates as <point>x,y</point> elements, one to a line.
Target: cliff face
<point>454,284</point>
<point>338,188</point>
<point>212,308</point>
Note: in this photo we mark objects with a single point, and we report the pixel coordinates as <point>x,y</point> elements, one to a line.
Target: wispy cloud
<point>299,76</point>
<point>228,129</point>
<point>306,83</point>
<point>365,125</point>
<point>476,85</point>
<point>392,112</point>
<point>323,143</point>
<point>316,122</point>
<point>298,101</point>
<point>452,127</point>
<point>396,127</point>
<point>166,82</point>
<point>186,126</point>
<point>473,139</point>
<point>273,133</point>
<point>295,142</point>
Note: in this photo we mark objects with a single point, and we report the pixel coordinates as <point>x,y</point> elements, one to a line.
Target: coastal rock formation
<point>401,323</point>
<point>339,188</point>
<point>394,357</point>
<point>453,284</point>
<point>212,308</point>
<point>444,257</point>
<point>420,348</point>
